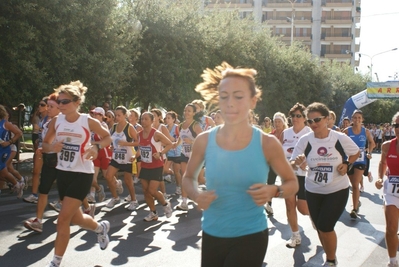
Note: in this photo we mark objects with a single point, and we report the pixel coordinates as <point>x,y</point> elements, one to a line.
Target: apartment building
<point>328,28</point>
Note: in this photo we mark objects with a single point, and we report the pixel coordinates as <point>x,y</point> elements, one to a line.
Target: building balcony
<point>337,56</point>
<point>297,38</point>
<point>337,21</point>
<point>287,4</point>
<point>337,38</point>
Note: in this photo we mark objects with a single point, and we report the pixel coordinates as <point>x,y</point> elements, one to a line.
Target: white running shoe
<point>151,217</point>
<point>361,189</point>
<point>19,188</point>
<point>91,211</point>
<point>168,210</point>
<point>167,178</point>
<point>102,237</point>
<point>183,206</point>
<point>370,176</point>
<point>101,194</point>
<point>393,264</point>
<point>90,198</point>
<point>26,181</point>
<point>128,198</point>
<point>269,209</point>
<point>294,241</point>
<point>31,199</point>
<point>119,187</point>
<point>330,264</point>
<point>52,264</point>
<point>56,205</point>
<point>166,196</point>
<point>34,224</point>
<point>133,205</point>
<point>113,202</point>
<point>136,180</point>
<point>178,190</point>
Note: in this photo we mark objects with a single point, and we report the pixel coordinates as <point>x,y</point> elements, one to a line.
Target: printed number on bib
<point>146,154</point>
<point>67,156</point>
<point>321,175</point>
<point>187,149</point>
<point>393,182</point>
<point>120,156</point>
<point>361,156</point>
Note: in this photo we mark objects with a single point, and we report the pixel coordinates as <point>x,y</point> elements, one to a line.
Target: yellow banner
<point>383,90</point>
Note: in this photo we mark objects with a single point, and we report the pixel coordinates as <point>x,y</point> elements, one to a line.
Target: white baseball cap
<point>98,110</point>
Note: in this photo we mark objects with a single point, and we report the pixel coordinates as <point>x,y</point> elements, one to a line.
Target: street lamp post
<point>371,59</point>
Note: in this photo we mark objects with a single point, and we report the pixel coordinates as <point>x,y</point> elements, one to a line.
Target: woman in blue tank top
<point>234,222</point>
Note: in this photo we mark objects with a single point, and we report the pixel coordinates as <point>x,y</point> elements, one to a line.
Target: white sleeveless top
<point>290,140</point>
<point>122,154</point>
<point>186,148</point>
<point>76,139</point>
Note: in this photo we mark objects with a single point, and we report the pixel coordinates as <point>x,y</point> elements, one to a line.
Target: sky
<point>379,32</point>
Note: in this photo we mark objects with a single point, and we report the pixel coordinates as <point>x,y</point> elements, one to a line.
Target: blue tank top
<point>4,136</point>
<point>360,140</point>
<point>230,174</point>
<point>174,152</point>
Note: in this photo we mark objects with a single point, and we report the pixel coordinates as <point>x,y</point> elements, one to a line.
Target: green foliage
<point>152,52</point>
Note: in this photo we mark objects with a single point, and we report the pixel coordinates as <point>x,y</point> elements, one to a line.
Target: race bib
<point>119,155</point>
<point>68,154</point>
<point>321,175</point>
<point>187,148</point>
<point>146,154</point>
<point>393,185</point>
<point>361,156</point>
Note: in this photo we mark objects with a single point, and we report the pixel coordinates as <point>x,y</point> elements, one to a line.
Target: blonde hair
<point>74,89</point>
<point>209,88</point>
<point>282,117</point>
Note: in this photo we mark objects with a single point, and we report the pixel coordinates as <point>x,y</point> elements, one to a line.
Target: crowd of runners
<point>317,162</point>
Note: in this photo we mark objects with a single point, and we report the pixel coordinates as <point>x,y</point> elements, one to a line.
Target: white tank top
<point>76,138</point>
<point>290,140</point>
<point>122,154</point>
<point>186,147</point>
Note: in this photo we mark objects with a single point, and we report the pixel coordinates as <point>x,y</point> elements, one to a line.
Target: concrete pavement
<point>176,241</point>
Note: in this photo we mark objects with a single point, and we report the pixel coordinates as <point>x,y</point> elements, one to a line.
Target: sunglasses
<point>396,125</point>
<point>316,120</point>
<point>64,101</point>
<point>42,104</point>
<point>298,116</point>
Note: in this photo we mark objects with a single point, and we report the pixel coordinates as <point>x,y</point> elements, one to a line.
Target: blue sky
<point>379,32</point>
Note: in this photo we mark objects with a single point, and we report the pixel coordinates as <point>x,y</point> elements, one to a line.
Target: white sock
<point>57,260</point>
<point>184,200</point>
<point>99,228</point>
<point>39,220</point>
<point>393,260</point>
<point>295,233</point>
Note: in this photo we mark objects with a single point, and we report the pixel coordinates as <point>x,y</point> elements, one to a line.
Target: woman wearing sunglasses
<point>324,151</point>
<point>364,140</point>
<point>234,221</point>
<point>389,166</point>
<point>68,135</point>
<point>289,138</point>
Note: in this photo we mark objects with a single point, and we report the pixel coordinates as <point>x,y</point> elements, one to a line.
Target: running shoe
<point>102,237</point>
<point>294,241</point>
<point>167,178</point>
<point>183,206</point>
<point>34,224</point>
<point>269,209</point>
<point>31,199</point>
<point>353,215</point>
<point>113,202</point>
<point>26,181</point>
<point>101,193</point>
<point>91,211</point>
<point>128,198</point>
<point>90,198</point>
<point>168,210</point>
<point>136,180</point>
<point>370,176</point>
<point>166,196</point>
<point>119,187</point>
<point>330,264</point>
<point>178,190</point>
<point>151,217</point>
<point>133,205</point>
<point>19,188</point>
<point>393,264</point>
<point>52,264</point>
<point>361,189</point>
<point>56,205</point>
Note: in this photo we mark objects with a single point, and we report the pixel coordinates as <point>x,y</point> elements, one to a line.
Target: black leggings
<point>248,250</point>
<point>325,210</point>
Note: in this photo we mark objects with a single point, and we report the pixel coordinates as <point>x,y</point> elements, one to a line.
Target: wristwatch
<point>279,192</point>
<point>348,164</point>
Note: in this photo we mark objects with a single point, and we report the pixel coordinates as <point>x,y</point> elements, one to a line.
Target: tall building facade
<point>328,28</point>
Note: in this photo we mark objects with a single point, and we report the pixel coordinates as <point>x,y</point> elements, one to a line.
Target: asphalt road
<point>176,241</point>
